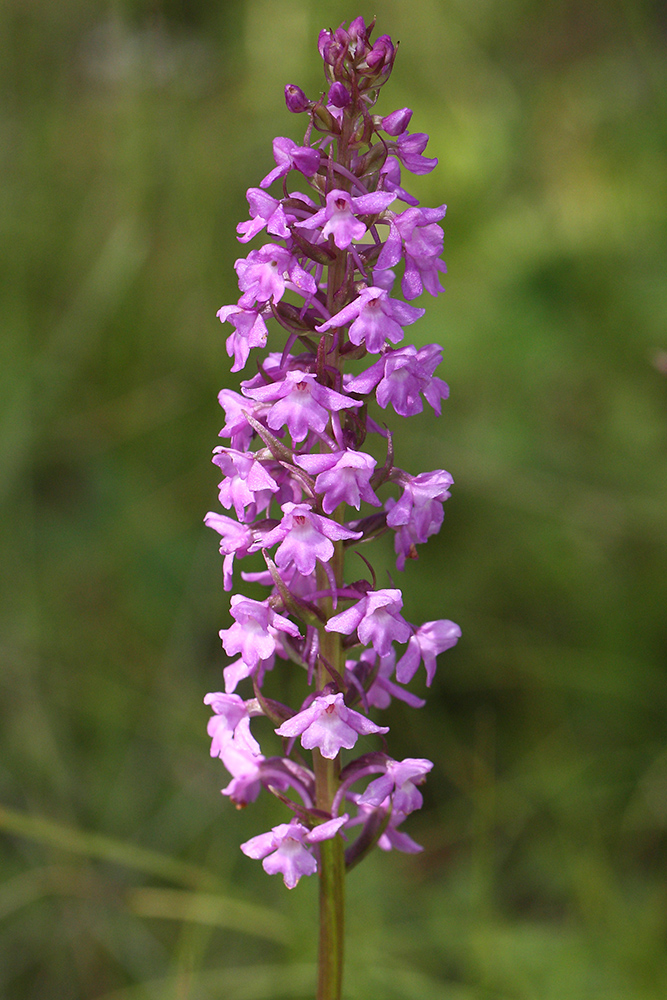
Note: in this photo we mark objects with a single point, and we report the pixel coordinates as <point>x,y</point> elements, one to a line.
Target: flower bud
<point>324,43</point>
<point>396,122</point>
<point>379,61</point>
<point>382,54</point>
<point>332,47</point>
<point>359,32</point>
<point>339,96</point>
<point>295,99</point>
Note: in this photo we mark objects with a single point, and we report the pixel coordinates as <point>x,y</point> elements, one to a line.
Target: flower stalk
<point>332,920</point>
<point>327,782</point>
<point>309,473</point>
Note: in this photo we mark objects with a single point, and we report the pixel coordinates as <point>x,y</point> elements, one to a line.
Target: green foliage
<point>129,132</point>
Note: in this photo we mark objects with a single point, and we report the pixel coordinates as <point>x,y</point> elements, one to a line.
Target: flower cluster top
<point>302,489</point>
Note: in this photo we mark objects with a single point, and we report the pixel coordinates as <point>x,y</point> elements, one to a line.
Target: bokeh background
<point>128,134</point>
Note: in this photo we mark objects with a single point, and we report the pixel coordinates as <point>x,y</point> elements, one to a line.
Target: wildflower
<point>375,319</point>
<point>400,781</point>
<point>340,216</point>
<point>287,848</point>
<point>289,156</point>
<point>254,631</point>
<point>305,537</point>
<point>229,711</point>
<point>376,619</point>
<point>342,477</point>
<point>429,640</point>
<point>300,402</point>
<point>328,724</point>
<point>300,489</point>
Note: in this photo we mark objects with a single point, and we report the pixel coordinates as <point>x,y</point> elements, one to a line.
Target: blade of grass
<point>293,982</point>
<point>208,908</point>
<point>97,845</point>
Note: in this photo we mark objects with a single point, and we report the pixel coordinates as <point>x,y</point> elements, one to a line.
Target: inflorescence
<point>295,464</point>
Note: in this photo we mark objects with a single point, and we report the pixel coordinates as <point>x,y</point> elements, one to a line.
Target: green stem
<point>332,919</point>
<point>332,857</point>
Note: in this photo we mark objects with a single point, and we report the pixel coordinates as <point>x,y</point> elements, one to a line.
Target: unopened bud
<point>382,54</point>
<point>295,99</point>
<point>397,121</point>
<point>339,96</point>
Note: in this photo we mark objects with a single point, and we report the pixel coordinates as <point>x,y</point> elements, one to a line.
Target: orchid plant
<point>305,492</point>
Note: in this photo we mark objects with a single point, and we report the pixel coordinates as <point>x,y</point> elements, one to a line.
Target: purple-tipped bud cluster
<point>350,58</point>
<point>309,474</point>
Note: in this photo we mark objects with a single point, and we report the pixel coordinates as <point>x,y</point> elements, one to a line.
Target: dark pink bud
<point>331,46</point>
<point>381,57</point>
<point>358,29</point>
<point>323,42</point>
<point>296,100</point>
<point>397,121</point>
<point>341,36</point>
<point>339,96</point>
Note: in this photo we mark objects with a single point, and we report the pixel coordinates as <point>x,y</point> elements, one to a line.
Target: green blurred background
<point>128,134</point>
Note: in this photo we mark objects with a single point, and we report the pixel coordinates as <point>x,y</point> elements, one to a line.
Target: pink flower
<point>409,148</point>
<point>250,331</point>
<point>301,402</point>
<point>229,710</point>
<point>342,477</point>
<point>401,376</point>
<point>286,849</point>
<point>246,483</point>
<point>339,217</point>
<point>415,235</point>
<point>265,274</point>
<point>305,537</point>
<point>329,725</point>
<point>253,633</point>
<point>399,781</point>
<point>375,319</point>
<point>418,514</point>
<point>289,156</point>
<point>266,212</point>
<point>428,641</point>
<point>376,618</point>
